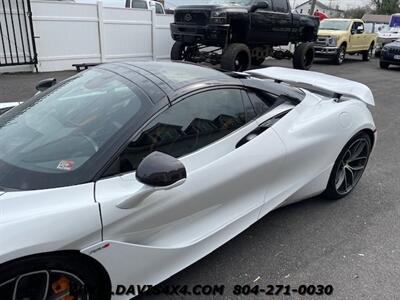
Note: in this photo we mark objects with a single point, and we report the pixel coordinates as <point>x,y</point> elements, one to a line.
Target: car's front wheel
<point>53,277</point>
<point>341,55</point>
<point>236,57</point>
<point>303,56</point>
<point>177,51</point>
<point>349,167</point>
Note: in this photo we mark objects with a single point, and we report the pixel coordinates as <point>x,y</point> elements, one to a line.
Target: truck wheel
<point>236,57</point>
<point>384,65</point>
<point>303,56</point>
<point>340,56</point>
<point>258,56</point>
<point>366,55</point>
<point>177,51</point>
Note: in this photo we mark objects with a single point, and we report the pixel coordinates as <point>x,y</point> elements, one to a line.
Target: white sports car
<point>129,172</point>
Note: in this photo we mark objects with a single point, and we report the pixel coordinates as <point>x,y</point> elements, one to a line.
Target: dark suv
<point>242,33</point>
<point>390,55</point>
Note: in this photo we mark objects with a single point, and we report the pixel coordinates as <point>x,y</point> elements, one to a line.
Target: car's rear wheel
<point>52,277</point>
<point>303,56</point>
<point>236,57</point>
<point>340,56</point>
<point>349,167</point>
<point>384,65</point>
<point>366,55</point>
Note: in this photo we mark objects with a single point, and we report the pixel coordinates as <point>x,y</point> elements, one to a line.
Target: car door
<point>282,21</point>
<point>356,38</point>
<point>261,22</point>
<point>229,165</point>
<point>226,177</point>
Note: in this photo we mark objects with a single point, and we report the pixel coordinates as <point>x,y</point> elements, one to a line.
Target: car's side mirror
<point>158,171</point>
<point>45,84</point>
<point>353,31</point>
<point>259,5</point>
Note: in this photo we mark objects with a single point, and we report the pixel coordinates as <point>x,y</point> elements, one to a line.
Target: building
<point>377,19</point>
<point>305,8</point>
<point>375,23</point>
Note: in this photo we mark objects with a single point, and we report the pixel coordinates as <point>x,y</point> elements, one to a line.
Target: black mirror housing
<point>160,170</point>
<point>259,5</point>
<point>46,84</point>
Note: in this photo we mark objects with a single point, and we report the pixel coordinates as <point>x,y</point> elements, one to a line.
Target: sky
<point>343,4</point>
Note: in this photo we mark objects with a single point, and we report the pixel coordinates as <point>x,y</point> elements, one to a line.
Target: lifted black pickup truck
<point>243,32</point>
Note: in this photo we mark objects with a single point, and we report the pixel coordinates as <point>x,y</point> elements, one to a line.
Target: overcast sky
<point>343,4</point>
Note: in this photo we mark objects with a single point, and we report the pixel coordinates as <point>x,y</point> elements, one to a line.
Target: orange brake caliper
<point>60,286</point>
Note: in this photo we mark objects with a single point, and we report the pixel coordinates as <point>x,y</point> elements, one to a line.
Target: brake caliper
<point>61,287</point>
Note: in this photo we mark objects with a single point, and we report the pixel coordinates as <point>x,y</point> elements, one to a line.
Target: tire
<point>177,51</point>
<point>64,272</point>
<point>258,56</point>
<point>303,56</point>
<point>257,61</point>
<point>384,65</point>
<point>236,57</point>
<point>340,56</point>
<point>366,55</point>
<point>348,166</point>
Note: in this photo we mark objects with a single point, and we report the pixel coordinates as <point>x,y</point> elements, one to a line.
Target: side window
<point>139,4</point>
<point>159,9</point>
<point>250,111</point>
<point>264,102</point>
<point>187,126</point>
<point>358,27</point>
<point>281,6</point>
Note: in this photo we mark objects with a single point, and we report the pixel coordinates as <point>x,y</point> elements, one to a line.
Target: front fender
<point>35,222</point>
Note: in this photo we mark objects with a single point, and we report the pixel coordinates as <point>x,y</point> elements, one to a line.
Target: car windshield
<point>61,130</point>
<point>335,24</point>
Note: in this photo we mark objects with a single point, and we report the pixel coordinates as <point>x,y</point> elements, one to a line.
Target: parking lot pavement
<point>352,244</point>
<point>21,86</point>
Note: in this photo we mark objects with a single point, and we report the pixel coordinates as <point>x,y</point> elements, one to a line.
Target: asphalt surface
<point>352,244</point>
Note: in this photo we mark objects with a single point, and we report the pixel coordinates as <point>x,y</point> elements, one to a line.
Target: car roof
<point>161,80</point>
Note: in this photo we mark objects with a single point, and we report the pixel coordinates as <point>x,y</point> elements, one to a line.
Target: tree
<point>386,7</point>
<point>357,12</point>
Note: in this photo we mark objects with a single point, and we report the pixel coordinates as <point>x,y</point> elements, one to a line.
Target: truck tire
<point>177,51</point>
<point>303,56</point>
<point>367,54</point>
<point>236,57</point>
<point>341,55</point>
<point>258,56</point>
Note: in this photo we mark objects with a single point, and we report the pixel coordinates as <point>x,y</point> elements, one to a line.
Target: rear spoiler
<point>328,84</point>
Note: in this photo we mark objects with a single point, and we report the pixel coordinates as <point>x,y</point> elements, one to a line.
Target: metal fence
<point>17,42</point>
